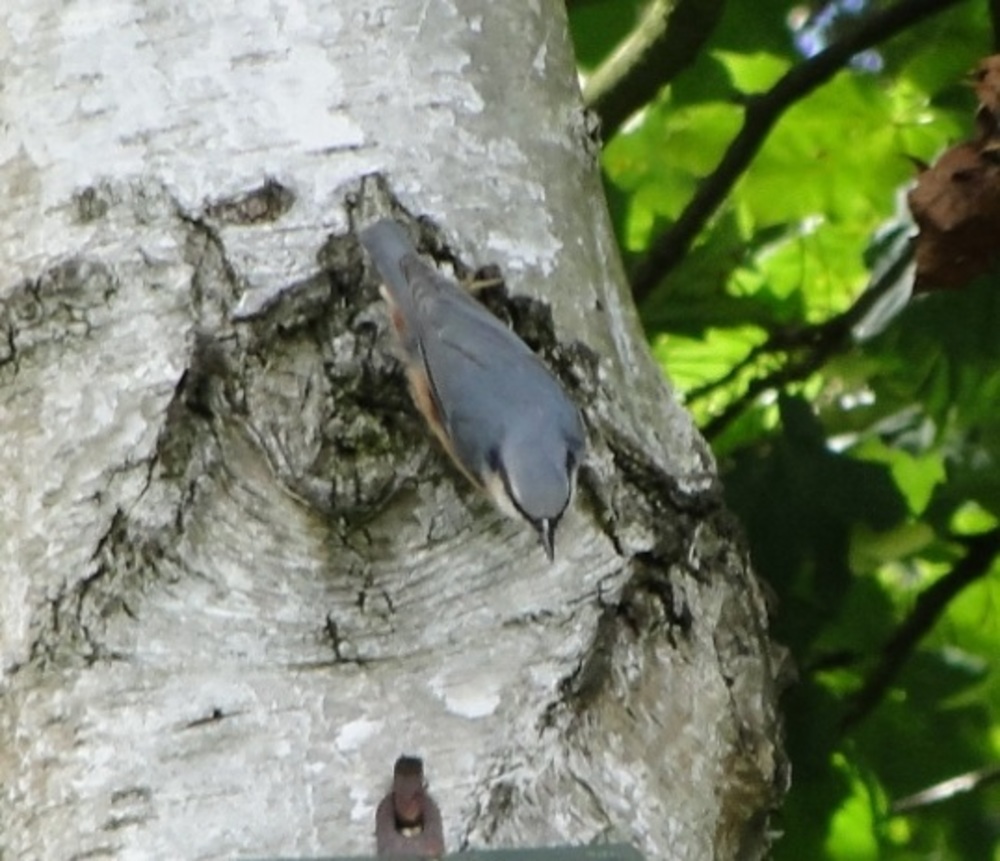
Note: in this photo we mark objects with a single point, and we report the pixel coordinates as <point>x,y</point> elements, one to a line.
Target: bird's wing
<point>482,376</point>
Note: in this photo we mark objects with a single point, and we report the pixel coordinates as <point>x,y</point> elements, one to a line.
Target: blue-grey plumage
<point>499,412</point>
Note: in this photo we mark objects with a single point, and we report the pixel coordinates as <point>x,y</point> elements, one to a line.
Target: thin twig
<point>982,551</point>
<point>706,389</point>
<point>806,349</point>
<point>762,112</point>
<point>798,368</point>
<point>947,789</point>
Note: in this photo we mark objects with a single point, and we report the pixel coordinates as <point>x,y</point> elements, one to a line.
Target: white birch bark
<point>237,578</point>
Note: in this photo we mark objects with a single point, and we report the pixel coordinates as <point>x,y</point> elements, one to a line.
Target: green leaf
<point>851,836</point>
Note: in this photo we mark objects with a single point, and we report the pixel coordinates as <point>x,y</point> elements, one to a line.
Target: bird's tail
<point>388,245</point>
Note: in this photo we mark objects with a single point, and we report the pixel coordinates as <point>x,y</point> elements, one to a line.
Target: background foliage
<point>866,469</point>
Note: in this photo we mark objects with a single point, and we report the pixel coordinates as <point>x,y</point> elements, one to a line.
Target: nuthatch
<point>407,821</point>
<point>498,411</point>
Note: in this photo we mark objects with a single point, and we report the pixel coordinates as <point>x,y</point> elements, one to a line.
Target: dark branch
<point>666,39</point>
<point>794,369</point>
<point>730,376</point>
<point>762,112</point>
<point>982,551</point>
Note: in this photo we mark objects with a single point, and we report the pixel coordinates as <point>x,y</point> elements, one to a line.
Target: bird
<point>407,820</point>
<point>497,410</point>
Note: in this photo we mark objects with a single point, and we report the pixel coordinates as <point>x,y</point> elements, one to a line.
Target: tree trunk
<point>238,576</point>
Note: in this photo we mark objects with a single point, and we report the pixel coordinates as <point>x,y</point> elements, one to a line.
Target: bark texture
<point>237,578</point>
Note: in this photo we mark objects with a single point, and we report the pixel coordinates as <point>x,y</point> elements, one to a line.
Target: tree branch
<point>982,551</point>
<point>812,346</point>
<point>762,112</point>
<point>947,789</point>
<point>669,35</point>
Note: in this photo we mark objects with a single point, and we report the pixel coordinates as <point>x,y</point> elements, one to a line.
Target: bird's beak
<point>547,532</point>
